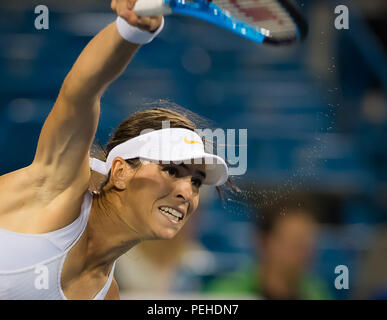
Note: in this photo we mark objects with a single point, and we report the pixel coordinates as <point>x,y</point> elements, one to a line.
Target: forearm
<point>101,62</point>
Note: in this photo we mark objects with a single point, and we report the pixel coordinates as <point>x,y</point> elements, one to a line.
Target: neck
<point>108,235</point>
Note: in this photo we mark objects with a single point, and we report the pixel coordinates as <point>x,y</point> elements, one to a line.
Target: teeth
<point>172,212</point>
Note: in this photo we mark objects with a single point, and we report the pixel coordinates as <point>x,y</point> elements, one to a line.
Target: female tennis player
<point>58,240</point>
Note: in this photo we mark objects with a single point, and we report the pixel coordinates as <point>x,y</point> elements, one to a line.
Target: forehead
<point>298,222</point>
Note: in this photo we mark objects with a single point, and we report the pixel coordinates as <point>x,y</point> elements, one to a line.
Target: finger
<point>144,23</point>
<point>149,23</point>
<point>156,22</point>
<point>122,10</point>
<point>132,18</point>
<point>144,20</point>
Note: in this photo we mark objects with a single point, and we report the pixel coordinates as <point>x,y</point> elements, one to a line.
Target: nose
<point>184,189</point>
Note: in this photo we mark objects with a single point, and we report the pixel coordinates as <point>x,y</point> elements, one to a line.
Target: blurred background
<point>314,196</point>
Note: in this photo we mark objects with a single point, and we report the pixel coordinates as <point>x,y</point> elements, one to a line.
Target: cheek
<point>196,201</point>
<point>148,189</point>
<point>195,204</point>
<point>149,181</point>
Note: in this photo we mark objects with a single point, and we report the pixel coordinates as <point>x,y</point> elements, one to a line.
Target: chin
<point>162,233</point>
<point>167,234</point>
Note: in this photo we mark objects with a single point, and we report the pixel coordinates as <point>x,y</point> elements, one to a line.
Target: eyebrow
<point>198,171</point>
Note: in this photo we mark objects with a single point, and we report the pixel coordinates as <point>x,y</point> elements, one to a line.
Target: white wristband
<point>134,34</point>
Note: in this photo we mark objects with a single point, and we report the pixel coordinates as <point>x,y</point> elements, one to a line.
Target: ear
<point>119,173</point>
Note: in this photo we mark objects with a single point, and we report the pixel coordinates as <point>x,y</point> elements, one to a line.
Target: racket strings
<point>268,15</point>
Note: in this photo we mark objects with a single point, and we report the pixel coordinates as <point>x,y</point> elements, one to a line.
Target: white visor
<point>170,145</point>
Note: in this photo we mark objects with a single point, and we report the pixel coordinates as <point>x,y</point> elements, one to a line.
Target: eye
<point>196,182</point>
<point>172,171</point>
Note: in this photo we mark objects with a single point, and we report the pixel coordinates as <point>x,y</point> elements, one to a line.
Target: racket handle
<point>147,8</point>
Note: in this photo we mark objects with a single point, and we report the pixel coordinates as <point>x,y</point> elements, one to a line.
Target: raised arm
<point>61,159</point>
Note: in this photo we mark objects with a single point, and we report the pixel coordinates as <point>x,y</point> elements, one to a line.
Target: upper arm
<point>63,149</point>
<point>114,292</point>
<point>62,153</point>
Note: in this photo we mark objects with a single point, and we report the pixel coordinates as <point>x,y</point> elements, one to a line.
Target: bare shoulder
<point>114,291</point>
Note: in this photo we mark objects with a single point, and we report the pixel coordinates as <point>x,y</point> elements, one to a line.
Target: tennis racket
<point>276,22</point>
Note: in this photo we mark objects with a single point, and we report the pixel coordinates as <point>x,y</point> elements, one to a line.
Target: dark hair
<point>149,119</point>
<point>271,213</point>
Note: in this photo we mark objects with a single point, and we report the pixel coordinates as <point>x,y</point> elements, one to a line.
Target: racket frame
<point>210,12</point>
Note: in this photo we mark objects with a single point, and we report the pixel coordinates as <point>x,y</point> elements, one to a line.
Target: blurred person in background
<point>285,234</point>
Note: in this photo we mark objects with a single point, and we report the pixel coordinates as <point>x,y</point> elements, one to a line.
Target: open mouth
<point>172,214</point>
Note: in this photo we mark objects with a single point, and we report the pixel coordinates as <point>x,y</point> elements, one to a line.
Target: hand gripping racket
<point>276,22</point>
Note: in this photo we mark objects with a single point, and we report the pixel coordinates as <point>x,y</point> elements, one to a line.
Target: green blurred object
<point>247,282</point>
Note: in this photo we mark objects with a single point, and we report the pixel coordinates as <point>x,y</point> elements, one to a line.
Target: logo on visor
<point>190,141</point>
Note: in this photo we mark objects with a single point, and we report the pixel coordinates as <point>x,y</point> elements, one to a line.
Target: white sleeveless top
<point>31,264</point>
